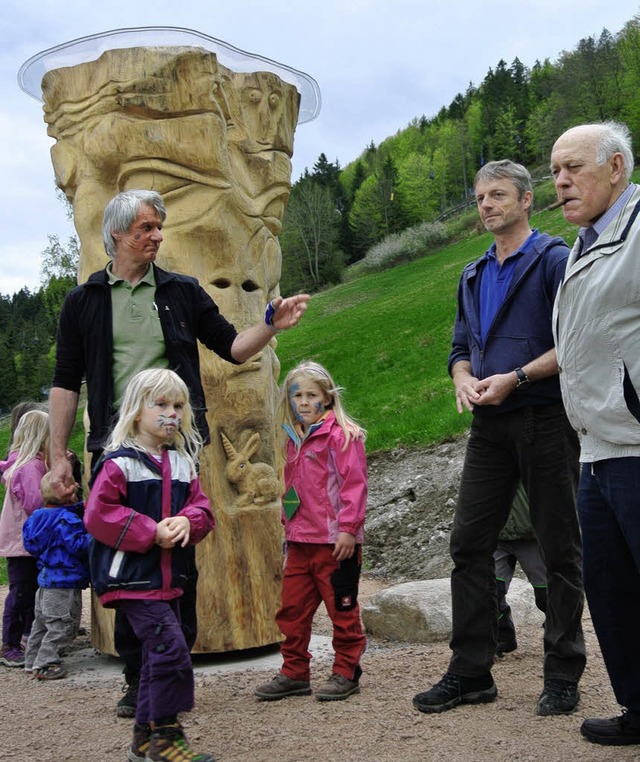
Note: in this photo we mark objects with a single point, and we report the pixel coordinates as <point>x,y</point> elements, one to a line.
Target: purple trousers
<point>166,677</point>
<point>19,604</point>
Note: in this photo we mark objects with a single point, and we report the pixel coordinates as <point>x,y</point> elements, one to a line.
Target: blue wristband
<point>269,315</point>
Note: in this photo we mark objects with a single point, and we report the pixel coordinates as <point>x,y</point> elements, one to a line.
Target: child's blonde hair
<point>145,387</point>
<point>316,372</point>
<point>30,439</point>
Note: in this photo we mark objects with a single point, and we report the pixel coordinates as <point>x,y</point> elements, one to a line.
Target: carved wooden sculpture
<point>217,145</point>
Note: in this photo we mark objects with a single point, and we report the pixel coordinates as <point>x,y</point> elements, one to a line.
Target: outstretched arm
<point>287,313</point>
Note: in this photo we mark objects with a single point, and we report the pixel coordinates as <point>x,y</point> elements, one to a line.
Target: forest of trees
<point>336,215</point>
<point>28,322</point>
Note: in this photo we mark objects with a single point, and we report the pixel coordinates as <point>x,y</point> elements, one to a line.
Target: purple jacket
<point>331,484</point>
<point>20,501</point>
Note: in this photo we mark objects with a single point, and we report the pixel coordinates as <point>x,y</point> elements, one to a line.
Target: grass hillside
<point>386,336</point>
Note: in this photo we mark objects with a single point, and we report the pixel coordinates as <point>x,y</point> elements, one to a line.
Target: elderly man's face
<point>587,189</point>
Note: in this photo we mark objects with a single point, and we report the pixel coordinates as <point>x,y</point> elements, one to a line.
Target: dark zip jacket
<point>521,330</point>
<point>84,344</point>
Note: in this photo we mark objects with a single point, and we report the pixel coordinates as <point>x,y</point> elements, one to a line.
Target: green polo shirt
<point>138,342</point>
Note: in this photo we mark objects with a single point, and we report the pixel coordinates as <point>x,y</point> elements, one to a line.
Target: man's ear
<point>617,168</point>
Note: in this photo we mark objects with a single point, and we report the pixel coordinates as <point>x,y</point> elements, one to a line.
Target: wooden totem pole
<point>216,144</point>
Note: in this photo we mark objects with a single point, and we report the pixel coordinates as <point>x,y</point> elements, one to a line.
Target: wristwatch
<point>523,379</point>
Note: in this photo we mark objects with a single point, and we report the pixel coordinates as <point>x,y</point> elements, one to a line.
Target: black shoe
<point>558,697</point>
<point>127,705</point>
<point>617,731</point>
<point>453,690</point>
<point>506,647</point>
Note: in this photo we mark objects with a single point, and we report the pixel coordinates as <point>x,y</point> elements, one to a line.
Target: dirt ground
<point>412,496</point>
<point>74,720</point>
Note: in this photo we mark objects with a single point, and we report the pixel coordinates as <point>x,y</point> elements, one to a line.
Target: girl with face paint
<point>145,507</point>
<point>325,479</point>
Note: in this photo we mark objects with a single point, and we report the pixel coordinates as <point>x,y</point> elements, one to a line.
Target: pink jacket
<point>20,501</point>
<point>331,484</point>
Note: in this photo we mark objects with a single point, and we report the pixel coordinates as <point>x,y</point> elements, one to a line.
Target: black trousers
<point>538,446</point>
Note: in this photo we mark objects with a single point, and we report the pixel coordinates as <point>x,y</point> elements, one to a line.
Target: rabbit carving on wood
<point>256,483</point>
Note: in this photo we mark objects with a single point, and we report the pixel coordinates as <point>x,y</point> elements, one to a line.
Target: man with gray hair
<point>596,323</point>
<point>503,366</point>
<point>131,316</point>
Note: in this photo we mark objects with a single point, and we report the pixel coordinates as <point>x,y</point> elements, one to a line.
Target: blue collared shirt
<point>495,281</point>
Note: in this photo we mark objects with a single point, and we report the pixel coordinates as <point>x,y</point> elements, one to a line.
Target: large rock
<point>412,498</point>
<point>420,612</point>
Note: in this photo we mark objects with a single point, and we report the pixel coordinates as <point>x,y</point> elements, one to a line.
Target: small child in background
<point>324,511</point>
<point>22,473</point>
<point>517,543</point>
<point>56,536</point>
<point>18,410</point>
<point>145,506</point>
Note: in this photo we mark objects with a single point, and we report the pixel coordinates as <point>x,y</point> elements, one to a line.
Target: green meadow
<point>385,338</point>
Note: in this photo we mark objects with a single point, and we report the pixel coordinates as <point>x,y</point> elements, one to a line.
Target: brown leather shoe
<point>281,687</point>
<point>337,688</point>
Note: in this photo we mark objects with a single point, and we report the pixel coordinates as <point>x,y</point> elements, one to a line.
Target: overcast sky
<point>378,63</point>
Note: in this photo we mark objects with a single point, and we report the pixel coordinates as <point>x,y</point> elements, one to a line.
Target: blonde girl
<point>22,472</point>
<point>146,506</point>
<point>325,484</point>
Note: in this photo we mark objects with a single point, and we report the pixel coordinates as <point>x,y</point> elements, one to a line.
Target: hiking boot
<point>453,690</point>
<point>282,686</point>
<point>140,743</point>
<point>337,688</point>
<point>168,742</point>
<point>126,707</point>
<point>12,657</point>
<point>558,697</point>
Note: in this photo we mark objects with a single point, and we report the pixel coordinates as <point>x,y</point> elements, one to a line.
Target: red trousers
<point>306,583</point>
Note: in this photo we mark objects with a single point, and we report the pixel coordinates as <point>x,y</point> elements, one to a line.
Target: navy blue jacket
<point>56,536</point>
<point>521,330</point>
<point>84,345</point>
<point>130,493</point>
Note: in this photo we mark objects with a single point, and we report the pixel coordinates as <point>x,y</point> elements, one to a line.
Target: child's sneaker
<point>140,743</point>
<point>12,657</point>
<point>168,743</point>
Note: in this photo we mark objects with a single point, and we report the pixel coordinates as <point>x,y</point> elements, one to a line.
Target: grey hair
<point>509,170</point>
<point>122,210</point>
<point>614,137</point>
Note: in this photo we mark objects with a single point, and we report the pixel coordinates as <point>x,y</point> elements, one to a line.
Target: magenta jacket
<point>331,484</point>
<point>20,501</point>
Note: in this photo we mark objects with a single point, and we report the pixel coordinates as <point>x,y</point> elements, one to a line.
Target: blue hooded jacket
<point>56,536</point>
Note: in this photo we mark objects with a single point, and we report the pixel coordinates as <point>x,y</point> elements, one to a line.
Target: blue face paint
<point>319,408</point>
<point>292,390</point>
